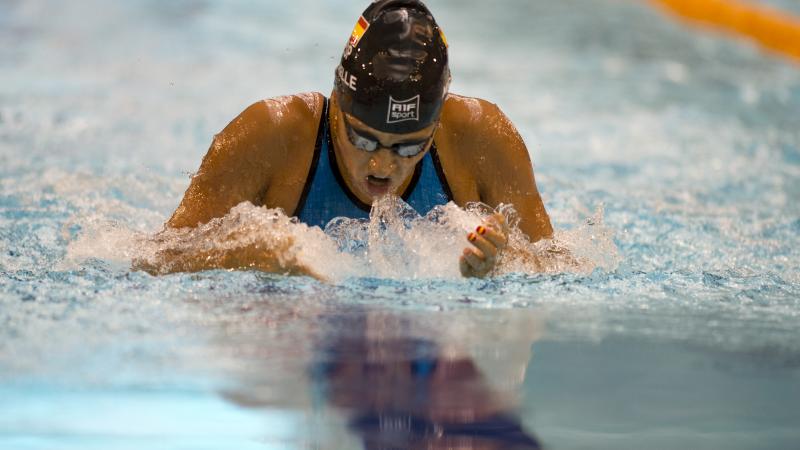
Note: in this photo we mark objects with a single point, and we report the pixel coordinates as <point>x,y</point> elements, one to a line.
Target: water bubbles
<point>395,243</point>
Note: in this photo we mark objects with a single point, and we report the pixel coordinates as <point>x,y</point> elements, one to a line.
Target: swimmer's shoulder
<point>467,139</point>
<point>262,156</point>
<point>268,130</point>
<point>294,121</point>
<point>481,148</point>
<point>289,123</point>
<point>295,112</point>
<point>470,118</point>
<point>468,125</point>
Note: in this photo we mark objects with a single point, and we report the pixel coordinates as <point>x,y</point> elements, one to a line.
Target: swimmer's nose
<point>382,163</point>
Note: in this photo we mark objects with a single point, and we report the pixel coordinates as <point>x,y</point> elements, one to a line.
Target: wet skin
<point>371,175</point>
<point>263,156</point>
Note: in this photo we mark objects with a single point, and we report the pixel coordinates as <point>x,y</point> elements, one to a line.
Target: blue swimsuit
<point>326,195</point>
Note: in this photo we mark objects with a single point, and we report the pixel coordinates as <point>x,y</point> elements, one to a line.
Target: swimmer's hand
<point>488,240</point>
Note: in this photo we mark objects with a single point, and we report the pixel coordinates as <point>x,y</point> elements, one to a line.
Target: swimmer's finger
<point>493,235</point>
<point>142,264</point>
<point>304,270</point>
<point>463,265</point>
<point>487,248</point>
<point>476,262</point>
<point>499,221</point>
<point>296,268</point>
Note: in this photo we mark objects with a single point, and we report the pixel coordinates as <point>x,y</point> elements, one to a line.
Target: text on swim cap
<point>346,78</point>
<point>403,110</point>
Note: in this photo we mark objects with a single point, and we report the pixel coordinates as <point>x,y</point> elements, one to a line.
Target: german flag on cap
<point>358,31</point>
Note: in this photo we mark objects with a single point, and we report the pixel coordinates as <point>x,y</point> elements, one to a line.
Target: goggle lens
<point>369,144</point>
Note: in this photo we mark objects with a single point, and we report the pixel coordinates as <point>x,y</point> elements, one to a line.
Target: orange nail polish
<point>471,237</point>
<point>481,230</point>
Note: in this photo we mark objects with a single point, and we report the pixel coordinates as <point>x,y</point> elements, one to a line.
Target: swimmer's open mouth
<point>377,186</point>
<point>378,180</point>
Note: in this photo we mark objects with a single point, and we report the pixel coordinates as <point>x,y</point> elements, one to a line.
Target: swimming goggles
<point>369,143</point>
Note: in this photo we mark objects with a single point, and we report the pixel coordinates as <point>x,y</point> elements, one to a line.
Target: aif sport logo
<point>403,110</point>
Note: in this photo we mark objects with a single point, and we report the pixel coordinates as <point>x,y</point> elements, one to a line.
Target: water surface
<point>679,148</point>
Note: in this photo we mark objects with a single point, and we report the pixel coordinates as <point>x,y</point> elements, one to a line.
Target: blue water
<point>669,157</point>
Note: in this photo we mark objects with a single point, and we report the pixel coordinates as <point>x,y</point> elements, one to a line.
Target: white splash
<point>396,242</point>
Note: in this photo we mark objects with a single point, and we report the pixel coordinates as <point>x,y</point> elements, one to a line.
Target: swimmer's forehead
<point>417,135</point>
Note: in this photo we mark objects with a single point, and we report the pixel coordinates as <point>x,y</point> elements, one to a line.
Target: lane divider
<point>776,30</point>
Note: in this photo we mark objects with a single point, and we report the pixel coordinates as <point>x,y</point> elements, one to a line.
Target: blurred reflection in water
<point>401,391</point>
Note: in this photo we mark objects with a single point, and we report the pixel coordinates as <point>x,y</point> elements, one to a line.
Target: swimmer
<point>390,127</point>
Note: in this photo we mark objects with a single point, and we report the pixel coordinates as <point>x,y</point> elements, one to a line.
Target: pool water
<point>668,158</point>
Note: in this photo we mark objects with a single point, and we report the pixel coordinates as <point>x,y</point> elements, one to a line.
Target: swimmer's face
<point>371,175</point>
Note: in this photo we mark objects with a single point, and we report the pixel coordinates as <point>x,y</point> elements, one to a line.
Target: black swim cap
<point>394,74</point>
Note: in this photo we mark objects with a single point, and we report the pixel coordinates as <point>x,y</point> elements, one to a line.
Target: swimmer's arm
<point>239,167</point>
<point>236,168</point>
<point>507,177</point>
<point>184,250</point>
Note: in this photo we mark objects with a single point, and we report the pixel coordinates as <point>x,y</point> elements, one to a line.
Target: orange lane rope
<point>773,29</point>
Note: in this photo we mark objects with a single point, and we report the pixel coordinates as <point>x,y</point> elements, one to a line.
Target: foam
<point>395,243</point>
